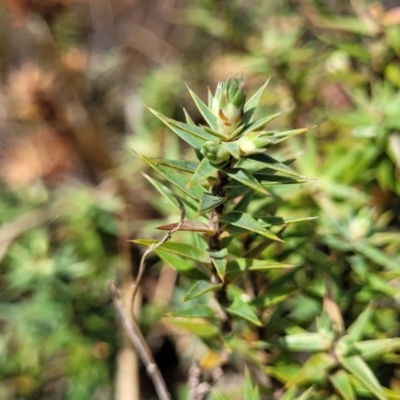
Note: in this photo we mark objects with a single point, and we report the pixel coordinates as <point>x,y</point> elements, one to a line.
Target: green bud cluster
<point>227,105</point>
<point>215,152</point>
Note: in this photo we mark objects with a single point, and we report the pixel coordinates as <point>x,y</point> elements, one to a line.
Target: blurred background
<point>75,78</point>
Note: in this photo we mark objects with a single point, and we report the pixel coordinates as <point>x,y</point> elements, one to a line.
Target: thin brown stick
<point>127,379</point>
<point>129,322</point>
<point>168,236</point>
<point>135,335</point>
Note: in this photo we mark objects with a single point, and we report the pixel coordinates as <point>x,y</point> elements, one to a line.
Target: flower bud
<point>228,104</point>
<point>215,152</point>
<point>253,142</point>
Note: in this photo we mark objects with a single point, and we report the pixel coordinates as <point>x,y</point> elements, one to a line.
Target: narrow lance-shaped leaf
<point>273,297</point>
<point>373,349</point>
<point>182,265</point>
<point>245,221</point>
<point>256,393</point>
<point>196,311</point>
<point>198,326</point>
<point>164,191</point>
<point>314,370</point>
<point>210,98</point>
<point>243,310</point>
<point>195,140</point>
<point>341,382</point>
<point>252,103</point>
<point>233,191</point>
<point>248,386</point>
<point>260,123</point>
<point>290,394</point>
<point>275,220</point>
<point>179,165</point>
<point>199,131</point>
<point>204,110</point>
<point>251,264</point>
<point>357,329</point>
<point>269,162</point>
<point>232,148</point>
<point>281,136</point>
<point>377,256</point>
<point>270,179</point>
<point>188,118</point>
<point>247,179</point>
<point>358,367</point>
<point>175,178</point>
<point>208,202</point>
<point>200,288</point>
<point>182,249</point>
<point>310,341</point>
<point>204,170</point>
<point>219,260</point>
<point>250,391</point>
<point>192,134</point>
<point>308,394</point>
<point>283,372</point>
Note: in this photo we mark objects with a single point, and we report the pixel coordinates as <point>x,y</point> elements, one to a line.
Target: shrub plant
<point>231,258</point>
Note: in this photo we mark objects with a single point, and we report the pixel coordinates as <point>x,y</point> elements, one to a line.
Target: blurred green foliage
<point>70,176</point>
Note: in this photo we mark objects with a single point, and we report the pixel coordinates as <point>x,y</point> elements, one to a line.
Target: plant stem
<point>218,190</point>
<point>214,244</point>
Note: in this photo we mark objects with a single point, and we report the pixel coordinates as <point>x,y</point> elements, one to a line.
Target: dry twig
<point>129,321</point>
<point>135,335</point>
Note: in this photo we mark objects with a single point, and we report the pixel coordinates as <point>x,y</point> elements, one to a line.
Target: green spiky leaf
<point>182,265</point>
<point>178,180</point>
<point>197,326</point>
<point>162,189</point>
<point>232,148</point>
<point>358,367</point>
<point>182,249</point>
<point>269,162</point>
<point>341,382</point>
<point>200,288</point>
<point>273,297</point>
<point>357,329</point>
<point>309,341</point>
<point>204,110</point>
<point>180,165</point>
<point>250,264</point>
<point>196,311</point>
<point>209,202</point>
<point>373,349</point>
<point>245,221</point>
<point>279,137</point>
<point>188,118</point>
<point>204,170</point>
<point>256,125</point>
<point>219,259</point>
<point>275,220</point>
<point>243,310</point>
<point>246,178</point>
<point>194,139</point>
<point>252,103</point>
<point>308,394</point>
<point>314,370</point>
<point>271,179</point>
